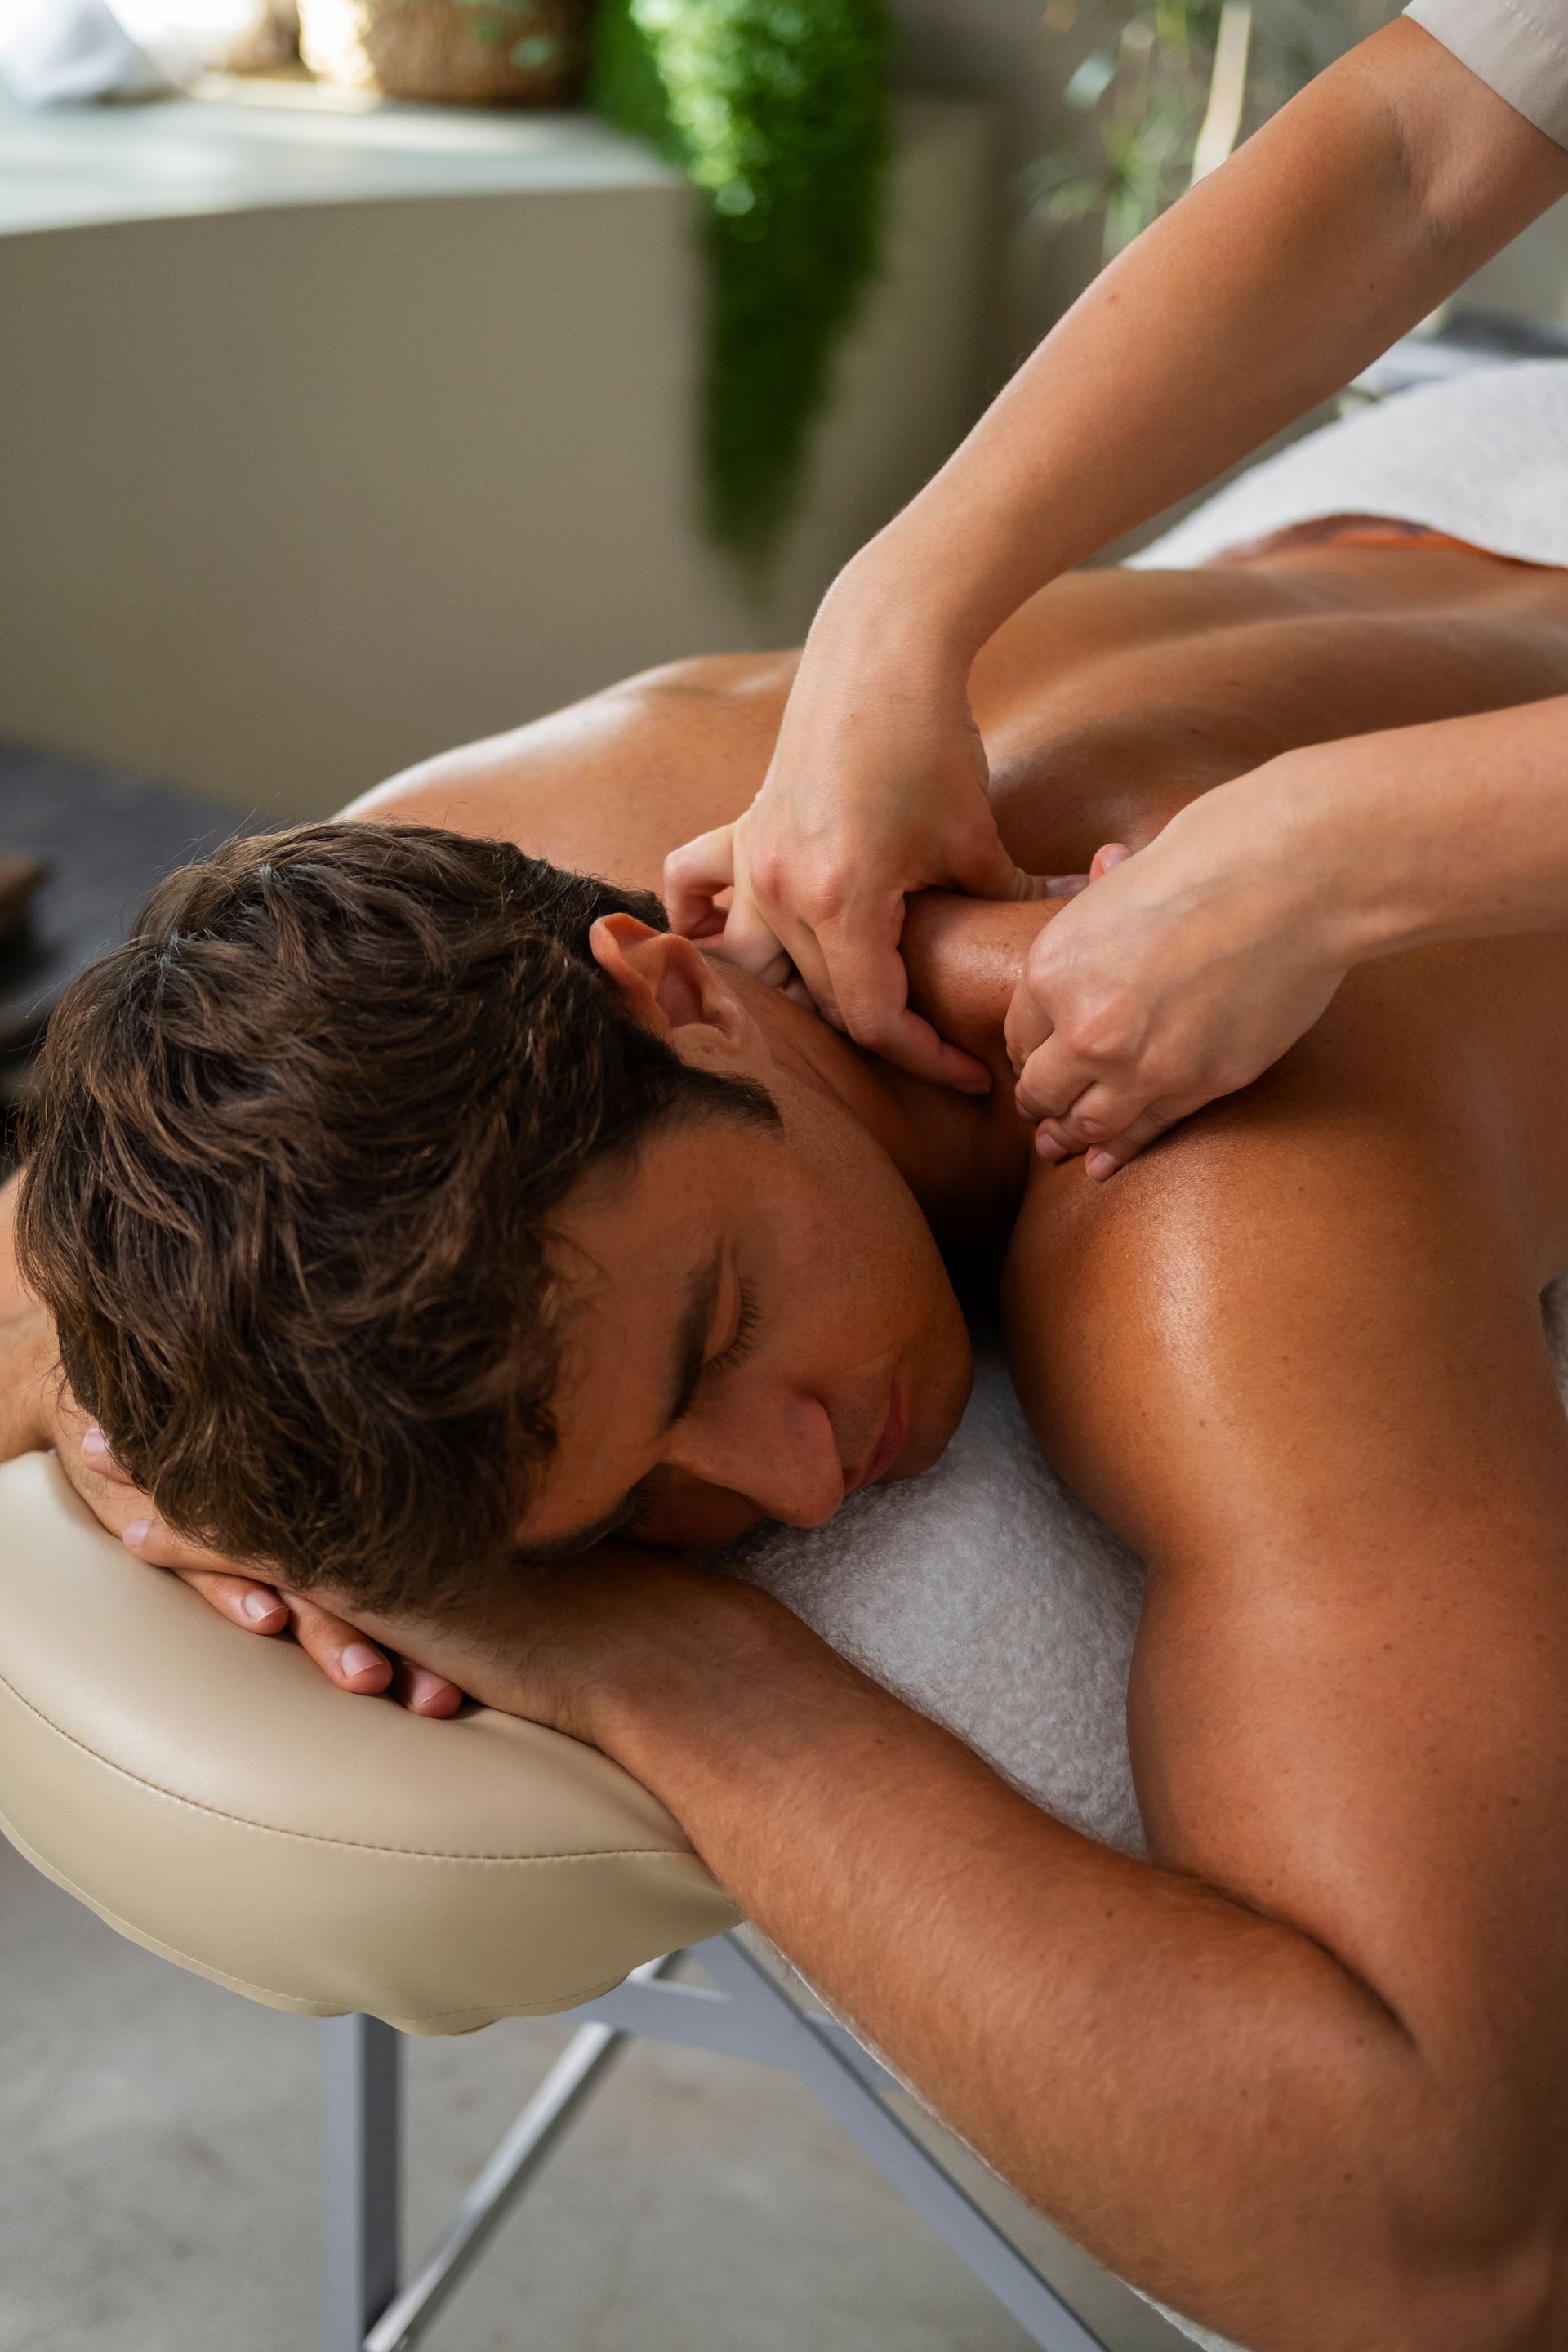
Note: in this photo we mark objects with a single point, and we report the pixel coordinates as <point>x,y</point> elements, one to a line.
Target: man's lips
<point>889,1447</point>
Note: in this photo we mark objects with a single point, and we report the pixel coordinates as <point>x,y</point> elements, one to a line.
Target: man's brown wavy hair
<point>292,1168</point>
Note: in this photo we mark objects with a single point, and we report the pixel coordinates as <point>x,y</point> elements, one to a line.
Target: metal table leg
<point>360,2176</point>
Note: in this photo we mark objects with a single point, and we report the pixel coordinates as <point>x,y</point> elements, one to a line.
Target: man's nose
<point>783,1456</point>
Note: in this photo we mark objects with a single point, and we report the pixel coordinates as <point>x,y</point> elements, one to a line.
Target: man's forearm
<point>1341,223</point>
<point>1208,2099</point>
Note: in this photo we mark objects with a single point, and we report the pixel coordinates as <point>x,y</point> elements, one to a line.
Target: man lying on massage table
<point>376,1221</point>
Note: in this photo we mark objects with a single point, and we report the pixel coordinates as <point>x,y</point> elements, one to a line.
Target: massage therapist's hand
<point>878,788</point>
<point>1179,975</point>
<point>338,1648</point>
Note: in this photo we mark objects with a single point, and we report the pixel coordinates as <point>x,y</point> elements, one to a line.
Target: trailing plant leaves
<point>1144,97</point>
<point>777,109</point>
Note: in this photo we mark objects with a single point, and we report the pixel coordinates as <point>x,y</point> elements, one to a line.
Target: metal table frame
<point>747,2013</point>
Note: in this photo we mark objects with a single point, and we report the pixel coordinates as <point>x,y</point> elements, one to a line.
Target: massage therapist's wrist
<point>1347,879</point>
<point>908,598</point>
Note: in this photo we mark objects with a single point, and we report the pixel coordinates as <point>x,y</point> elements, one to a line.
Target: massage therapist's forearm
<point>1456,830</point>
<point>1080,2017</point>
<point>1344,220</point>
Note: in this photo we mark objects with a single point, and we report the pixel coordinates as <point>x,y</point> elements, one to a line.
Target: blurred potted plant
<point>457,52</point>
<point>1167,97</point>
<point>777,111</point>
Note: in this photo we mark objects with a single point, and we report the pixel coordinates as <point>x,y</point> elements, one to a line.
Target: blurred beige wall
<point>293,497</point>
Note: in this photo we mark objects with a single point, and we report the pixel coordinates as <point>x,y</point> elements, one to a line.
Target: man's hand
<point>878,788</point>
<point>1180,975</point>
<point>583,1646</point>
<point>257,1603</point>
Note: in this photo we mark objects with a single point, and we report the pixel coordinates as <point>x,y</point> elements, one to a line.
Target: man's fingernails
<point>422,1685</point>
<point>136,1532</point>
<point>259,1606</point>
<point>974,1085</point>
<point>1101,1165</point>
<point>94,1445</point>
<point>1049,1148</point>
<point>359,1658</point>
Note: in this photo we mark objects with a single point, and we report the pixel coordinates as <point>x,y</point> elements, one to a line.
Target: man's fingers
<point>152,1540</point>
<point>254,1606</point>
<point>99,1455</point>
<point>341,1651</point>
<point>1114,854</point>
<point>424,1692</point>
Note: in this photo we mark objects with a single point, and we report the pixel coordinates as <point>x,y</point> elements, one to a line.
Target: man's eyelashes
<point>739,1346</point>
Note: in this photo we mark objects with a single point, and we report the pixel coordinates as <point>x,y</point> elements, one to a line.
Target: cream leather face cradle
<point>212,1796</point>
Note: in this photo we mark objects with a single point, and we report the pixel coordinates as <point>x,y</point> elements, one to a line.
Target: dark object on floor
<point>105,838</point>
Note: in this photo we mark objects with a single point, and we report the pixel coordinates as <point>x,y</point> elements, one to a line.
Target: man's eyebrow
<point>686,1370</point>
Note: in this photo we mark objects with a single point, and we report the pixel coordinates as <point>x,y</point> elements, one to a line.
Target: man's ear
<point>667,982</point>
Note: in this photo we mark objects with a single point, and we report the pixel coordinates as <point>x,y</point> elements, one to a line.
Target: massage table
<point>212,1797</point>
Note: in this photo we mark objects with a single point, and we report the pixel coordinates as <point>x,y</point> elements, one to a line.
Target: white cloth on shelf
<point>69,52</point>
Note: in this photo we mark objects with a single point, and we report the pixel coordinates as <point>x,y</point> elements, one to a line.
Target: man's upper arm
<point>1296,1359</point>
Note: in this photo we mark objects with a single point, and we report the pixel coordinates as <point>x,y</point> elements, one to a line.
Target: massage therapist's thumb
<point>985,870</point>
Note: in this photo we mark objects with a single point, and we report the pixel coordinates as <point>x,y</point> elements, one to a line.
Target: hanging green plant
<point>1167,100</point>
<point>778,112</point>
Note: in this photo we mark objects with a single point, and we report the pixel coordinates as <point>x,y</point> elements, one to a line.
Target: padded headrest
<point>211,1796</point>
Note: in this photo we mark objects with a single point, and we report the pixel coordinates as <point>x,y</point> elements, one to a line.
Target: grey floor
<point>158,2178</point>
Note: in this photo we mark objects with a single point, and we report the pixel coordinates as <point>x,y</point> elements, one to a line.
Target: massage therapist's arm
<point>1189,968</point>
<point>1335,228</point>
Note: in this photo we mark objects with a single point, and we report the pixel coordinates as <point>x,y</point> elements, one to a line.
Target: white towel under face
<point>1483,457</point>
<point>987,1596</point>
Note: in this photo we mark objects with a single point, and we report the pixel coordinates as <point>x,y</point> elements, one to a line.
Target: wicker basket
<point>454,52</point>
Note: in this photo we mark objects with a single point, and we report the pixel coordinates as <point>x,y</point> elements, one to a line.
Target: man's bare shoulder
<point>612,783</point>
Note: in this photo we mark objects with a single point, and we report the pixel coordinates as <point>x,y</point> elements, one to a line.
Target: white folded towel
<point>1483,456</point>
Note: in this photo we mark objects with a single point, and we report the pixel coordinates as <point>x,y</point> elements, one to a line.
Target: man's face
<point>759,1322</point>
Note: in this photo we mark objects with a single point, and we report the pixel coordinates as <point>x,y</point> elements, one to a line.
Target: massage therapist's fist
<point>1181,974</point>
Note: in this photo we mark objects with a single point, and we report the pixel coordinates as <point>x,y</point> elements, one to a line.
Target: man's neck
<point>965,1158</point>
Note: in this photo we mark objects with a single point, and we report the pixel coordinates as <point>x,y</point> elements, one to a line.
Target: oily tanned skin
<point>1306,2073</point>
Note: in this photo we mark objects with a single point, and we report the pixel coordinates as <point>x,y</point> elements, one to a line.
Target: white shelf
<point>257,145</point>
